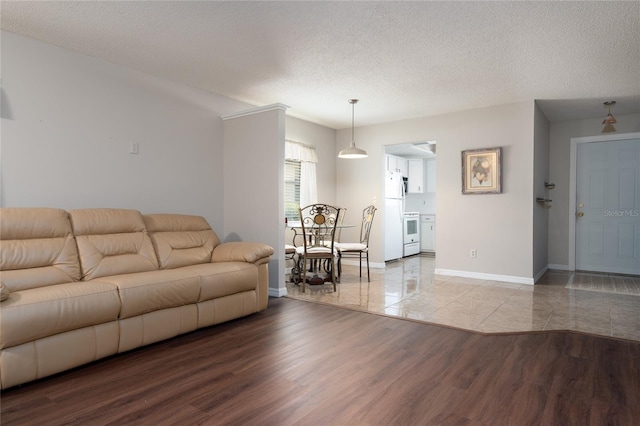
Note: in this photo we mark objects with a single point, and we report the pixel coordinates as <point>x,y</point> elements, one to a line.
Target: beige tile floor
<point>409,289</point>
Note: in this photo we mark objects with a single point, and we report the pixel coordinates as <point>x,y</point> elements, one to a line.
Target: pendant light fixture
<point>352,151</point>
<point>609,120</point>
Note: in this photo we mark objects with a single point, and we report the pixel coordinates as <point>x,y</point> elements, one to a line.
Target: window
<point>292,190</point>
<point>299,178</point>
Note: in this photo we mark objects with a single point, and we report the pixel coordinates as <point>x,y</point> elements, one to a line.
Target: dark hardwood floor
<point>311,364</point>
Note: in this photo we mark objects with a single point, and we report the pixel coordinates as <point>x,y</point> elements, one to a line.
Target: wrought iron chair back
<point>367,220</point>
<point>319,224</point>
<point>343,213</point>
<point>358,249</point>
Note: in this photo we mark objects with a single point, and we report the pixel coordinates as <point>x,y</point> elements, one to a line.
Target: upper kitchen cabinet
<point>397,164</point>
<point>430,165</point>
<point>416,176</point>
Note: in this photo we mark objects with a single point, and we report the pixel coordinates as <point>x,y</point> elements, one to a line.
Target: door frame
<point>573,183</point>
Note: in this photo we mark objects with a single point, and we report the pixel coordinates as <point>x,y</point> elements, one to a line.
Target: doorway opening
<point>409,192</point>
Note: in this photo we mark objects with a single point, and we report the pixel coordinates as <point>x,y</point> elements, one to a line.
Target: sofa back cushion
<point>181,240</point>
<point>37,248</point>
<point>112,242</point>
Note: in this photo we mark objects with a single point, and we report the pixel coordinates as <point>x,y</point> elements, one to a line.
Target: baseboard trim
<point>482,276</point>
<point>557,267</point>
<point>540,274</point>
<point>278,292</point>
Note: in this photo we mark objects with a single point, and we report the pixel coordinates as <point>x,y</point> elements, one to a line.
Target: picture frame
<point>482,171</point>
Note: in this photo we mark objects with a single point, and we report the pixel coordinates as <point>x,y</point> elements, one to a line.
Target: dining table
<point>296,227</point>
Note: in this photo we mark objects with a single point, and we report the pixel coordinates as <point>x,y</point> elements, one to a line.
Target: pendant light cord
<point>353,107</point>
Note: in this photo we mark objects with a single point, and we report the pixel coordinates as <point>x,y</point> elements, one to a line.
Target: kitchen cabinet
<point>416,176</point>
<point>427,233</point>
<point>401,164</point>
<point>431,175</point>
<point>397,164</point>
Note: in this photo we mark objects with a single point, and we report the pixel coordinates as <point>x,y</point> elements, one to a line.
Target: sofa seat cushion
<point>154,290</point>
<point>32,314</point>
<point>224,278</point>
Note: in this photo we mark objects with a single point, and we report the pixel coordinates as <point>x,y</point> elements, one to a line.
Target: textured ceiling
<point>401,59</point>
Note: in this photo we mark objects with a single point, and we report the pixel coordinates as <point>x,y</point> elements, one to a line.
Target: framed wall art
<point>481,171</point>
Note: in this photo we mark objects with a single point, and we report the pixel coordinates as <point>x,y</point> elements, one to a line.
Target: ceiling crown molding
<point>257,110</point>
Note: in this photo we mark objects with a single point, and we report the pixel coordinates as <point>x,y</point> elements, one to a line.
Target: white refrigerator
<point>393,208</point>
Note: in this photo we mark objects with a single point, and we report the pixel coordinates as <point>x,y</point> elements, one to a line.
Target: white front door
<point>608,206</point>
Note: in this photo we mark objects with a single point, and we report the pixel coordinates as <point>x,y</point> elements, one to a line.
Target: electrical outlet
<point>133,148</point>
<point>473,253</point>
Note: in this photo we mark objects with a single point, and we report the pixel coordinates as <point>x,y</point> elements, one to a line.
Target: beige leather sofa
<point>82,285</point>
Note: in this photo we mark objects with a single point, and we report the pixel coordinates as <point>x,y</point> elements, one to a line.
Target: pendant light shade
<point>352,151</point>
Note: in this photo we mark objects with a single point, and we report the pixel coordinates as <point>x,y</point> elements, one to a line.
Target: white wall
<point>254,184</point>
<point>498,226</point>
<point>560,143</point>
<point>324,139</point>
<point>68,120</point>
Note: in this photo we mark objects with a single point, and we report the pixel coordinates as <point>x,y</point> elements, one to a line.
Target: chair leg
<point>360,254</point>
<point>304,273</point>
<point>295,272</point>
<point>339,265</point>
<point>368,275</point>
<point>333,273</point>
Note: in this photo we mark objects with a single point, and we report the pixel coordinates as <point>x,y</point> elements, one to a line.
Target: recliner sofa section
<point>82,285</point>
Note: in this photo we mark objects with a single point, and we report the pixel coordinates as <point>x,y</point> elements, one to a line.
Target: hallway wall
<point>498,226</point>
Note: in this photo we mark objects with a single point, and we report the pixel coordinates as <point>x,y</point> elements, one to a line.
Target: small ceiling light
<point>609,120</point>
<point>352,151</point>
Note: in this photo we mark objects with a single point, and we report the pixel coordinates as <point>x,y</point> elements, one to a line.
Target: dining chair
<point>290,255</point>
<point>318,222</point>
<point>343,213</point>
<point>359,248</point>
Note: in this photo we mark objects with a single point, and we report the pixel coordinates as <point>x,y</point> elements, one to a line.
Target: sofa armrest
<point>242,252</point>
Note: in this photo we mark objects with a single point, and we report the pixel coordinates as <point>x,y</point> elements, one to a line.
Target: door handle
<point>580,214</point>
